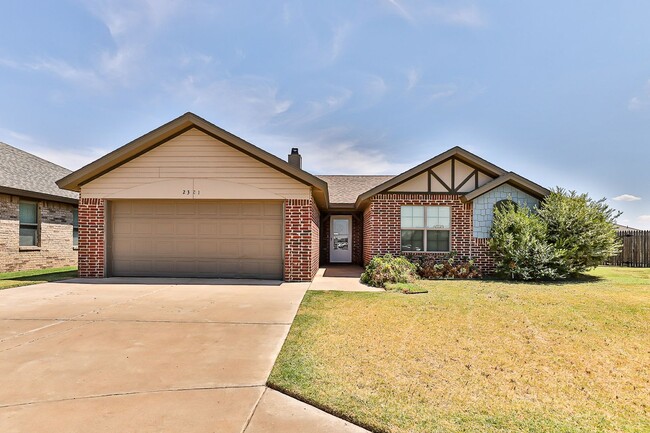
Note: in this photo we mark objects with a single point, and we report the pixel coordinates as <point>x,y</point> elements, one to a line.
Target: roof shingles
<point>344,189</point>
<point>23,171</point>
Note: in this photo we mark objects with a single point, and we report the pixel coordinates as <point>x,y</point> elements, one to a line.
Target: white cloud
<point>412,78</point>
<point>626,197</point>
<point>124,18</point>
<point>314,110</point>
<point>400,9</point>
<point>443,92</point>
<point>340,34</point>
<point>247,100</point>
<point>68,158</point>
<point>332,151</point>
<point>642,101</point>
<point>376,86</point>
<point>468,16</point>
<point>416,11</point>
<point>644,218</point>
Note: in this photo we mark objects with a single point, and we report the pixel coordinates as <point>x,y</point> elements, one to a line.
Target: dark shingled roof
<point>345,189</point>
<point>23,172</point>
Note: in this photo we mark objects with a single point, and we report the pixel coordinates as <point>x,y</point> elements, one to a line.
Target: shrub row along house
<point>38,220</point>
<point>190,199</point>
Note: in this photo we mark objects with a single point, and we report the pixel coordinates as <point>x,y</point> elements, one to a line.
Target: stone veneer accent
<point>55,232</point>
<point>301,239</point>
<point>92,238</point>
<point>484,207</point>
<point>382,219</point>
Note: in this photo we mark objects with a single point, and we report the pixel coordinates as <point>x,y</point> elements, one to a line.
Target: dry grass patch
<point>478,356</point>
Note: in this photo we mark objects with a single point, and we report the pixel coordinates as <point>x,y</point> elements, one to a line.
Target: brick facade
<point>92,238</point>
<point>55,248</point>
<point>382,231</point>
<point>301,239</point>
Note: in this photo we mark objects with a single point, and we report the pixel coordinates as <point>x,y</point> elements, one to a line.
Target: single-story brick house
<point>38,220</point>
<point>190,199</point>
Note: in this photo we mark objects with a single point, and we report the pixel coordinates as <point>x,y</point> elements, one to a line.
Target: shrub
<point>518,239</point>
<point>580,229</point>
<point>442,267</point>
<point>569,234</point>
<point>388,269</point>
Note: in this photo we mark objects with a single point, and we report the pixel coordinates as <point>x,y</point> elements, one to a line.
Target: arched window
<point>503,204</point>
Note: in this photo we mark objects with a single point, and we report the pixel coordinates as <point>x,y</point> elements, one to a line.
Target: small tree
<point>568,234</point>
<point>519,242</point>
<point>580,229</point>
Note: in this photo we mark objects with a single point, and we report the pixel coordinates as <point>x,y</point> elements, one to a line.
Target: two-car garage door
<point>196,238</point>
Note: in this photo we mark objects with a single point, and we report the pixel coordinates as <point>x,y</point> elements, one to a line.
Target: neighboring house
<point>622,228</point>
<point>190,199</point>
<point>38,220</point>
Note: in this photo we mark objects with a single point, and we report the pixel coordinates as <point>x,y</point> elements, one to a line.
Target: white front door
<point>341,239</point>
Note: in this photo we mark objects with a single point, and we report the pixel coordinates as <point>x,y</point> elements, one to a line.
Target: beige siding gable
<point>195,165</point>
<point>451,175</point>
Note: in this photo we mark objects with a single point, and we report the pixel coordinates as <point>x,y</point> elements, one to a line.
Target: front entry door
<point>341,239</point>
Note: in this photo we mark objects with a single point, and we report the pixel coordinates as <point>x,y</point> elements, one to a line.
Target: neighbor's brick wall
<point>92,238</point>
<point>301,243</point>
<point>55,250</point>
<point>381,232</point>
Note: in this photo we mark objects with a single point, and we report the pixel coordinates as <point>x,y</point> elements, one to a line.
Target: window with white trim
<point>426,228</point>
<point>28,220</point>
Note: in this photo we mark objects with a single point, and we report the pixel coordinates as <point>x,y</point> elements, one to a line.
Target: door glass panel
<point>340,227</point>
<point>341,234</point>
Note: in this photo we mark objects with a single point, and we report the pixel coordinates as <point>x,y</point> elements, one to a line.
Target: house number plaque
<point>191,192</point>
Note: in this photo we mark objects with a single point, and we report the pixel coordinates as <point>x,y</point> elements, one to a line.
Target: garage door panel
<point>229,209</point>
<point>272,230</point>
<point>197,238</point>
<point>251,229</point>
<point>228,228</point>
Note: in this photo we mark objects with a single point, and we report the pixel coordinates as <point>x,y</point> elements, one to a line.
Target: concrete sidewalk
<point>343,277</point>
<point>149,356</point>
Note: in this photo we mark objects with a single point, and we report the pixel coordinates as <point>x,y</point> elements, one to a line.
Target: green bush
<point>569,234</point>
<point>444,267</point>
<point>388,269</point>
<point>580,229</point>
<point>519,241</point>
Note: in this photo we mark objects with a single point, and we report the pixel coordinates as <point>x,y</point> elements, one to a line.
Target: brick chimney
<point>295,158</point>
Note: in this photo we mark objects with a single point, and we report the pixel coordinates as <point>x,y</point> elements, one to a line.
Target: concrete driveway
<point>165,356</point>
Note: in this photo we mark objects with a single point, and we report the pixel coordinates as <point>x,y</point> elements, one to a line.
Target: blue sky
<point>558,92</point>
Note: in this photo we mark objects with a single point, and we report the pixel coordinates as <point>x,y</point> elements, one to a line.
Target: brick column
<point>92,239</point>
<point>301,239</point>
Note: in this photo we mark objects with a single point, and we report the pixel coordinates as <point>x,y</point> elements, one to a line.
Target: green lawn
<point>478,356</point>
<point>25,278</point>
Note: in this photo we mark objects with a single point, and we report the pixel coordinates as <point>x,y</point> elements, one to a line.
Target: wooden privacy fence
<point>636,249</point>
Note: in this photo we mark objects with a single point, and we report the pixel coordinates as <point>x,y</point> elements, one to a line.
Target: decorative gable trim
<point>513,179</point>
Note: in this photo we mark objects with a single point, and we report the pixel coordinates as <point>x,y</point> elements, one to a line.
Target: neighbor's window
<point>425,228</point>
<point>75,227</point>
<point>28,216</point>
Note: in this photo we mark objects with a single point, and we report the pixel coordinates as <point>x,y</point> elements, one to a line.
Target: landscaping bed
<point>472,356</point>
<point>25,278</point>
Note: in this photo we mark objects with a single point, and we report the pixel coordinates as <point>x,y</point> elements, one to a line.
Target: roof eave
<point>37,195</point>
